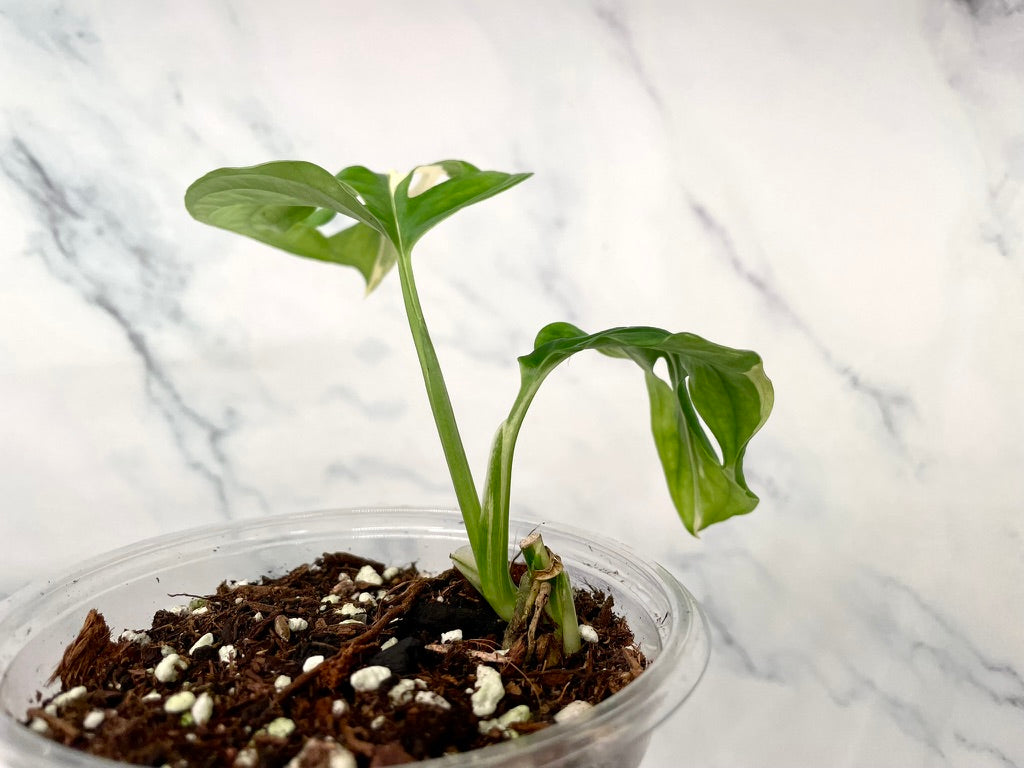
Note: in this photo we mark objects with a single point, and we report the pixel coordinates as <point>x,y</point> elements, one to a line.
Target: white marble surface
<point>839,186</point>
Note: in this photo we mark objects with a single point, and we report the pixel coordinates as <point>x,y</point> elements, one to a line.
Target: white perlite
<point>281,727</point>
<point>489,691</point>
<point>167,670</point>
<point>282,682</point>
<point>179,702</point>
<point>389,573</point>
<point>369,678</point>
<point>588,634</point>
<point>378,722</point>
<point>202,709</point>
<point>131,636</point>
<point>431,699</point>
<point>367,575</point>
<point>39,725</point>
<point>451,637</point>
<point>312,663</point>
<point>68,696</point>
<point>247,758</point>
<point>330,599</point>
<point>403,691</point>
<point>151,696</point>
<point>518,714</point>
<point>93,720</point>
<point>297,625</point>
<point>202,642</point>
<point>227,653</point>
<point>325,753</point>
<point>573,710</point>
<point>389,643</point>
<point>365,598</point>
<point>339,707</point>
<point>351,609</point>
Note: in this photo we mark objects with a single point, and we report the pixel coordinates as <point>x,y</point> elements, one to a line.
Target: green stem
<point>491,549</point>
<point>498,483</point>
<point>440,403</point>
<point>494,528</point>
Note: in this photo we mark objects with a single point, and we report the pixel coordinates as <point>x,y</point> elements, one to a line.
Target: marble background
<point>839,186</point>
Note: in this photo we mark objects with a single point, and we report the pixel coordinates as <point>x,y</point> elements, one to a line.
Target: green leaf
<point>465,186</point>
<point>375,190</point>
<point>408,213</point>
<point>286,204</point>
<point>724,388</point>
<point>367,250</point>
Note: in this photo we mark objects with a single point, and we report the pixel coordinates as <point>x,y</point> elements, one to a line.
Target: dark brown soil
<point>318,715</point>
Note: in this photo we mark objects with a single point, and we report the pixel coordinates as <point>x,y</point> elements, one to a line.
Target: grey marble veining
<point>838,186</point>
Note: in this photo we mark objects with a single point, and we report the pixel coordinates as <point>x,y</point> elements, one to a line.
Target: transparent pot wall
<point>129,585</point>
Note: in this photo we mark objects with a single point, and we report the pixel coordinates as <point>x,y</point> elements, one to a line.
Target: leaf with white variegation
<point>288,204</point>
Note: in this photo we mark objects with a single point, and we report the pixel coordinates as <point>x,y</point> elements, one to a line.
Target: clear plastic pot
<point>129,584</point>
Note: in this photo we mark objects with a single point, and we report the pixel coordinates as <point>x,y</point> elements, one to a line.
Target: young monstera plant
<point>714,401</point>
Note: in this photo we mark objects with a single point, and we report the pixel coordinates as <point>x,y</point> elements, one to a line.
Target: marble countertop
<point>839,186</point>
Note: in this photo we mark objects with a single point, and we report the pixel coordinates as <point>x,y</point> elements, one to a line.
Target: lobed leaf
<point>287,203</point>
<point>409,213</point>
<point>724,388</point>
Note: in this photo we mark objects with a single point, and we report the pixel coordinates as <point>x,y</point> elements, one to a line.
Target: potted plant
<point>702,418</point>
